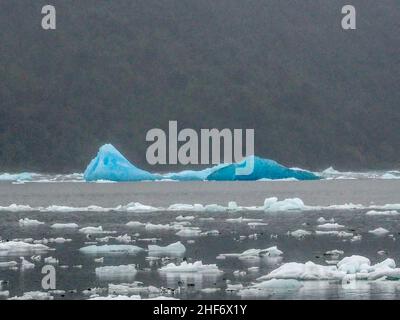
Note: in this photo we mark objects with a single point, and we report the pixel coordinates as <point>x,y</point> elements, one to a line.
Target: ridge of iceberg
<point>110,164</point>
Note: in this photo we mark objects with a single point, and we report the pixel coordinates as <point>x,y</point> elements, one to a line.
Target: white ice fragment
<point>300,233</point>
<point>195,267</point>
<point>19,247</point>
<point>273,204</point>
<point>94,230</point>
<point>111,249</point>
<point>330,226</point>
<point>379,231</point>
<point>29,223</point>
<point>116,271</point>
<point>176,249</point>
<point>64,226</point>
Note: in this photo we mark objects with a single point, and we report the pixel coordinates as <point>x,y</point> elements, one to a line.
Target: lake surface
<point>75,271</point>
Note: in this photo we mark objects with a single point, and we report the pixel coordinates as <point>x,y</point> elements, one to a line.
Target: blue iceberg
<point>111,165</point>
<point>261,169</point>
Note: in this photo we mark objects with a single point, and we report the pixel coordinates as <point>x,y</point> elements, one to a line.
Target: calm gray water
<point>204,248</point>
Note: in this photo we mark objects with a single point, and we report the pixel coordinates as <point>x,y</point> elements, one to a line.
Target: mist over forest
<point>315,94</point>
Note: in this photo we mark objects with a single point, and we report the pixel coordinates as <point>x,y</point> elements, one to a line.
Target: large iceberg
<point>110,164</point>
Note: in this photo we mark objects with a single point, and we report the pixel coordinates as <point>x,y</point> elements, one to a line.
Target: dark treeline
<point>315,94</point>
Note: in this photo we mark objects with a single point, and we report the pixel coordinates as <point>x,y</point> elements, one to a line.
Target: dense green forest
<point>315,94</point>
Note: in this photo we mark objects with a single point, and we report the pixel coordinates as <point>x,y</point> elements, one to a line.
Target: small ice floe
<point>136,207</point>
<point>176,249</point>
<point>270,287</point>
<point>92,291</point>
<point>8,265</point>
<point>323,220</point>
<point>34,295</point>
<point>26,265</point>
<point>330,226</point>
<point>234,287</point>
<point>333,254</point>
<point>51,260</point>
<point>64,226</point>
<point>111,249</point>
<point>253,225</point>
<point>253,253</point>
<point>382,213</point>
<point>189,232</point>
<point>210,233</point>
<point>339,234</point>
<point>195,267</point>
<point>19,248</point>
<point>135,224</point>
<point>162,227</point>
<point>379,231</point>
<point>134,288</point>
<point>111,272</point>
<point>207,219</point>
<point>210,290</point>
<point>382,252</point>
<point>113,297</point>
<point>17,208</point>
<point>304,271</point>
<point>238,273</point>
<point>185,218</point>
<point>95,230</point>
<point>124,239</point>
<point>4,294</point>
<point>186,207</point>
<point>300,233</point>
<point>274,205</point>
<point>241,219</point>
<point>29,223</point>
<point>99,260</point>
<point>356,238</point>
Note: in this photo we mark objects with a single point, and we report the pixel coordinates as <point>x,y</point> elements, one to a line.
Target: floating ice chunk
<point>161,227</point>
<point>29,223</point>
<point>189,232</point>
<point>136,207</point>
<point>94,230</point>
<point>214,208</point>
<point>34,295</point>
<point>273,205</point>
<point>185,267</point>
<point>185,218</point>
<point>111,165</point>
<point>354,264</point>
<point>111,249</point>
<point>24,176</point>
<point>340,234</point>
<point>176,249</point>
<point>271,286</point>
<point>19,247</point>
<point>186,207</point>
<point>4,294</point>
<point>64,226</point>
<point>379,231</point>
<point>132,288</point>
<point>210,233</point>
<point>99,260</point>
<point>234,287</point>
<point>382,213</point>
<point>124,238</point>
<point>330,226</point>
<point>135,224</point>
<point>300,233</point>
<point>323,220</point>
<point>210,290</point>
<point>110,272</point>
<point>17,208</point>
<point>8,264</point>
<point>241,219</point>
<point>389,176</point>
<point>304,271</point>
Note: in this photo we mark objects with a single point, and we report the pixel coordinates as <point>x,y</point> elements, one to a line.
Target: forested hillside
<point>315,94</point>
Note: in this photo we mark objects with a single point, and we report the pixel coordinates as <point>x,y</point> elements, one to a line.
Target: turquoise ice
<point>111,165</point>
